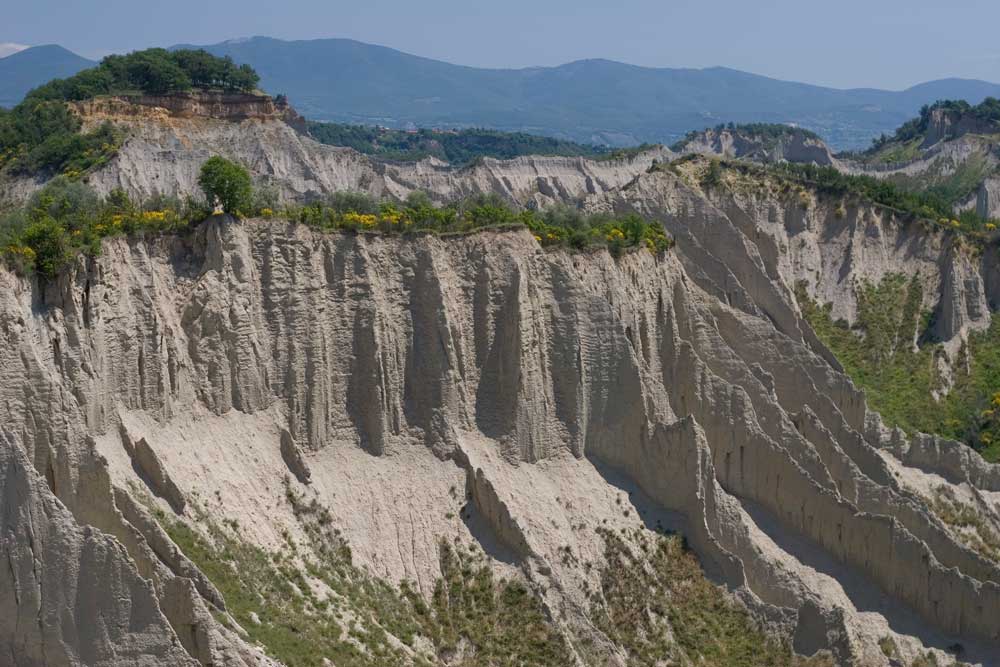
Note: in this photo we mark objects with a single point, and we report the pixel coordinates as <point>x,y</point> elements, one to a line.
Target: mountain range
<point>23,70</point>
<point>597,101</point>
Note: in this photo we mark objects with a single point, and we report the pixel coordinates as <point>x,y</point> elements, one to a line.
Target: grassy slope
<point>900,381</point>
<point>952,184</point>
<point>307,602</point>
<point>896,152</point>
<point>654,603</point>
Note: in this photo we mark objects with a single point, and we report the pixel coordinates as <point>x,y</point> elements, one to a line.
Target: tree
<point>48,242</point>
<point>227,184</point>
<point>203,68</point>
<point>246,79</point>
<point>153,71</point>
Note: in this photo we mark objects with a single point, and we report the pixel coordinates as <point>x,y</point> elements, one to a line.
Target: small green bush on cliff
<point>67,217</point>
<point>227,184</point>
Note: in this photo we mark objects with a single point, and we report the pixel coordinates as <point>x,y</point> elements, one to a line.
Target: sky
<point>842,43</point>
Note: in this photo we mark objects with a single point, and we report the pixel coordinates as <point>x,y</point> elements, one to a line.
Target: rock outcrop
<point>70,594</point>
<point>721,412</point>
<point>235,107</point>
<point>945,124</point>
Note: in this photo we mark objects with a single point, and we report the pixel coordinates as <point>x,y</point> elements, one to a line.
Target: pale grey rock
<point>153,472</point>
<point>987,199</point>
<point>633,361</point>
<point>70,594</point>
<point>292,457</point>
<point>163,154</point>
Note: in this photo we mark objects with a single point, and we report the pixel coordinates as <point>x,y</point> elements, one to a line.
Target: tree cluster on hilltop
<point>41,134</point>
<point>154,72</point>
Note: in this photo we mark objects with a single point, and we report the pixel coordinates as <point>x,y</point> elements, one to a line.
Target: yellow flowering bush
<point>363,220</point>
<point>20,251</point>
<point>72,219</point>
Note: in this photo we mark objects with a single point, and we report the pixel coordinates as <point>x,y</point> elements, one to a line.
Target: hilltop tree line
<point>927,204</point>
<point>459,147</point>
<point>41,134</point>
<point>152,72</point>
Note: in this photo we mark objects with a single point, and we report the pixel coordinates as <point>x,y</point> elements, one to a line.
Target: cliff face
<point>390,360</point>
<point>548,395</point>
<point>205,105</point>
<point>945,124</point>
<point>958,154</point>
<point>54,565</point>
<point>831,247</point>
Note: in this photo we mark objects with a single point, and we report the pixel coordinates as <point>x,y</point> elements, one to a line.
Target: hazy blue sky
<point>843,43</point>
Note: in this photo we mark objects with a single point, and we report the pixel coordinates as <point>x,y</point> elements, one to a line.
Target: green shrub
<point>50,249</point>
<point>655,602</point>
<point>226,183</point>
<point>556,226</point>
<point>67,217</point>
<point>74,219</point>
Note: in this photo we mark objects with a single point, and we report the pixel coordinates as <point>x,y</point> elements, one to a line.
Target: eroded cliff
<point>258,381</point>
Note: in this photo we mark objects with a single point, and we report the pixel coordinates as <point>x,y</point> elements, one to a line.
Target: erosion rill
<point>262,442</point>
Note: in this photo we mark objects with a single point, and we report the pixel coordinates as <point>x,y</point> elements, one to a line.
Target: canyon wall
<point>213,372</point>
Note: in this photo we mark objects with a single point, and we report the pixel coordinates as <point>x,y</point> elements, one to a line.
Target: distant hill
<point>22,71</point>
<point>595,101</point>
